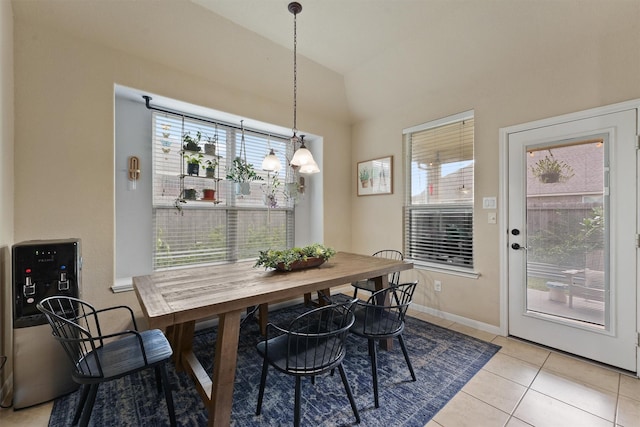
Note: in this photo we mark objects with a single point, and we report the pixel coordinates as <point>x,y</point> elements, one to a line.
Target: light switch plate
<point>489,203</point>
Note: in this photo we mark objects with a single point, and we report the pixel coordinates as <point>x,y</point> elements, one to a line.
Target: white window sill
<point>124,284</point>
<point>441,268</point>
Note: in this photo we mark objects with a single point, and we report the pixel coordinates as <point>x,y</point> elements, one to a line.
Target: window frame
<point>464,209</point>
<point>227,212</point>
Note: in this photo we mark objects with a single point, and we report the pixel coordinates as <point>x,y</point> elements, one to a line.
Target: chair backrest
<point>75,325</point>
<point>394,277</point>
<point>316,339</point>
<point>384,312</point>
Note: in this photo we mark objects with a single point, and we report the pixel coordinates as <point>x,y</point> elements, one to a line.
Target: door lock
<point>517,246</point>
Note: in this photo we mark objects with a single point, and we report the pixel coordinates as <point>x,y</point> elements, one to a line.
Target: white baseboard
<point>492,329</point>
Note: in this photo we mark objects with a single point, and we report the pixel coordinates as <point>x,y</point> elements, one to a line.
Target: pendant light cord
<point>295,72</point>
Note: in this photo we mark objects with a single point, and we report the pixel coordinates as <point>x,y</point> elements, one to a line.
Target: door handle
<point>517,246</point>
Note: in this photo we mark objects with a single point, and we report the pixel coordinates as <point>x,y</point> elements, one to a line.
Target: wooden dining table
<point>175,300</point>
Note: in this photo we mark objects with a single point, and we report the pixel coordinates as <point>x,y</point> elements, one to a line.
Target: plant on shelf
<point>550,170</point>
<point>210,168</point>
<point>285,258</point>
<point>241,172</point>
<point>190,193</point>
<point>190,143</point>
<point>364,177</point>
<point>193,163</point>
<point>208,194</point>
<point>210,145</point>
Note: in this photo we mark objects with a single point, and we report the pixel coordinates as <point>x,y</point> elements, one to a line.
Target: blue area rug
<point>443,360</point>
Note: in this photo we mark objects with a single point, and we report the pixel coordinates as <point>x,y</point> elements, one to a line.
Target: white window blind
<point>232,227</point>
<point>438,213</point>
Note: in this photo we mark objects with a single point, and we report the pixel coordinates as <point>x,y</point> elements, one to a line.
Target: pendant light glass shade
<point>310,167</point>
<point>302,156</point>
<point>271,163</point>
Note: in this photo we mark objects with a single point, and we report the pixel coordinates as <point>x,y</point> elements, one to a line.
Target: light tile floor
<point>521,386</point>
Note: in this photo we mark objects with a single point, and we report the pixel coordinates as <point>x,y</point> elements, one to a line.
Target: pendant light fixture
<point>271,163</point>
<point>302,157</point>
<point>309,166</point>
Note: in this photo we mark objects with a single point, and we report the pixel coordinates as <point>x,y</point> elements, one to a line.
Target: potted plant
<point>364,177</point>
<point>190,143</point>
<point>208,194</point>
<point>295,258</point>
<point>193,163</point>
<point>550,170</point>
<point>210,168</point>
<point>190,193</point>
<point>242,173</point>
<point>210,146</point>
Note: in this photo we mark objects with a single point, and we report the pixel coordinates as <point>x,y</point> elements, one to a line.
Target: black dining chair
<point>370,285</point>
<point>99,357</point>
<point>312,344</point>
<point>382,317</point>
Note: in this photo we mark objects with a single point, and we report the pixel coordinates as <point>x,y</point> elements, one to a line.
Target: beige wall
<point>512,62</point>
<point>566,58</point>
<point>6,184</point>
<point>64,130</point>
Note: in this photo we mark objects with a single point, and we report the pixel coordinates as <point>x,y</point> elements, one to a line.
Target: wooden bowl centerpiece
<point>295,258</point>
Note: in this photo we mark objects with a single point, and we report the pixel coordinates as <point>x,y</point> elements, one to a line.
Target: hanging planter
<point>241,172</point>
<point>549,170</point>
<point>243,188</point>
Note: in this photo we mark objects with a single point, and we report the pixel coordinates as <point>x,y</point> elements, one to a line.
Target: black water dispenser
<point>41,268</point>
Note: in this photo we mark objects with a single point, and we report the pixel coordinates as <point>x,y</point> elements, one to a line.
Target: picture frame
<point>375,177</point>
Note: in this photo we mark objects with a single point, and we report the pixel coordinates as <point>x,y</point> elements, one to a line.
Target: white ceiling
<point>339,34</point>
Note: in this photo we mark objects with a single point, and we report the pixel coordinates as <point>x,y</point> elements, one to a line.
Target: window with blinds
<point>438,213</point>
<point>230,227</point>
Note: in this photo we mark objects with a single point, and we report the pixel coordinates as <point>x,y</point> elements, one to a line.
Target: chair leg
<point>374,371</point>
<point>263,380</point>
<point>88,406</point>
<point>355,293</point>
<point>167,394</point>
<point>406,356</point>
<point>296,409</point>
<point>158,379</point>
<point>81,402</point>
<point>347,388</point>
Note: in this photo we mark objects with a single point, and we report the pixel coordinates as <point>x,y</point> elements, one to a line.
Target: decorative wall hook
<point>134,168</point>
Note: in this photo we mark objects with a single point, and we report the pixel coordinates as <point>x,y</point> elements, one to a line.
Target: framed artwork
<point>375,176</point>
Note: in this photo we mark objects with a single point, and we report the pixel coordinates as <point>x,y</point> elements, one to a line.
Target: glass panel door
<point>567,213</point>
<point>572,224</point>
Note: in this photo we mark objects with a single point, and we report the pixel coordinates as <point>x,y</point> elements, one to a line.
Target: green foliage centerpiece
<point>295,258</point>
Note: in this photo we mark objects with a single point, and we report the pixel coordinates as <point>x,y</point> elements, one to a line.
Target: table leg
<point>181,339</point>
<point>382,282</point>
<point>224,369</point>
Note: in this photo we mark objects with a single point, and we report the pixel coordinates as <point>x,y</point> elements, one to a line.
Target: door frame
<point>504,197</point>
